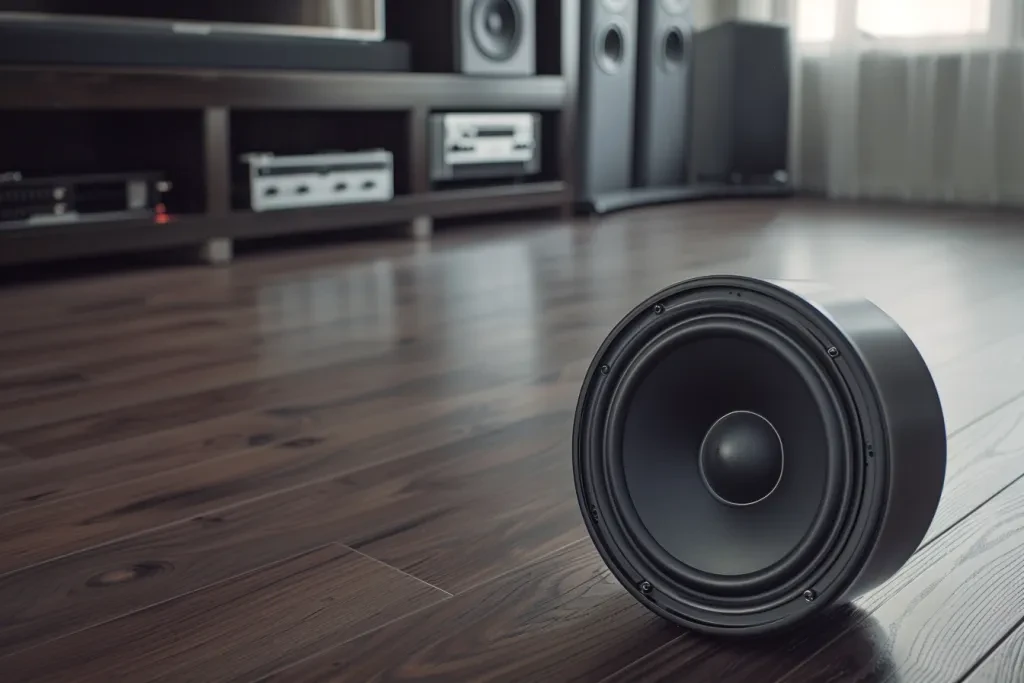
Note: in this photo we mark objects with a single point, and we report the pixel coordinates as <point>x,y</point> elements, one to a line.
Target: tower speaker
<point>480,37</point>
<point>607,85</point>
<point>747,452</point>
<point>741,85</point>
<point>662,92</point>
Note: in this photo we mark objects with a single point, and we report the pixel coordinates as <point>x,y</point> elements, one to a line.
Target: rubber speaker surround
<point>748,452</point>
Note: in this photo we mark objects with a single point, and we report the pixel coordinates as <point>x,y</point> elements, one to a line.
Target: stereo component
<point>607,88</point>
<point>480,37</point>
<point>27,202</point>
<point>741,89</point>
<point>475,146</point>
<point>326,179</point>
<point>747,453</point>
<point>662,93</point>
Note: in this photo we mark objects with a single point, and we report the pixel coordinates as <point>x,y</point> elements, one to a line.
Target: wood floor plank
<point>237,630</point>
<point>271,321</point>
<point>562,619</point>
<point>391,498</point>
<point>983,460</point>
<point>1005,664</point>
<point>966,594</point>
<point>313,385</point>
<point>472,403</point>
<point>39,533</point>
<point>264,373</point>
<point>32,482</point>
<point>415,404</point>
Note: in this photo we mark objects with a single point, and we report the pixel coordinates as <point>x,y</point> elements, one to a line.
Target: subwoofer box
<point>740,99</point>
<point>480,37</point>
<point>747,453</point>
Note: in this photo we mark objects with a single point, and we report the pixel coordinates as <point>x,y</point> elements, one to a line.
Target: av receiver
<point>470,146</point>
<point>326,179</point>
<point>27,202</point>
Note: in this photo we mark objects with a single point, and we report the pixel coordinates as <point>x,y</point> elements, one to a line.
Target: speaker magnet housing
<point>748,452</point>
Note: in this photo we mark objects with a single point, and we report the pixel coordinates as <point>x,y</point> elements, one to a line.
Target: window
<point>816,20</point>
<point>919,18</point>
<point>897,19</point>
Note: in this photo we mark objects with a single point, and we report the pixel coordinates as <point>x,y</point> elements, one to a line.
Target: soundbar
<point>328,179</point>
<point>470,146</point>
<point>35,40</point>
<point>57,200</point>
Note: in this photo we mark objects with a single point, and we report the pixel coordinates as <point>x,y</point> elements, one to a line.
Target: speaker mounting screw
<point>658,309</point>
<point>833,352</point>
<point>605,369</point>
<point>646,587</point>
<point>810,595</point>
<point>593,512</point>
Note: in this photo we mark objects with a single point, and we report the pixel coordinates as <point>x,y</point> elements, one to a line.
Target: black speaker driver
<point>747,452</point>
<point>496,27</point>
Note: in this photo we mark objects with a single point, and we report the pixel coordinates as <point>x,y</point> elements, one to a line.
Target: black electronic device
<point>27,202</point>
<point>748,453</point>
<point>74,40</point>
<point>740,104</point>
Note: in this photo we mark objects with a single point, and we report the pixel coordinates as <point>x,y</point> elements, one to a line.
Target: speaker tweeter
<point>749,452</point>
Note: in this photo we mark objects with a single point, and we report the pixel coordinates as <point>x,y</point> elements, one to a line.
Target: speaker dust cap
<point>747,453</point>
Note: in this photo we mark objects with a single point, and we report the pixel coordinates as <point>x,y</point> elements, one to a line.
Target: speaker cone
<point>749,452</point>
<point>611,48</point>
<point>496,28</point>
<point>673,48</point>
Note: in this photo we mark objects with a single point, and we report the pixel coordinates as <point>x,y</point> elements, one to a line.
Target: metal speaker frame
<point>697,379</point>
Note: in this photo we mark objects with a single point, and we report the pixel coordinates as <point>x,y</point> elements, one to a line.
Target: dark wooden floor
<point>352,463</point>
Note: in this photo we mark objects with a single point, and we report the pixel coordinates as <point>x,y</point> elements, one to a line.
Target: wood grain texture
<point>965,592</point>
<point>1005,664</point>
<point>235,630</point>
<point>323,437</point>
<point>561,619</point>
<point>31,535</point>
<point>180,442</point>
<point>216,545</point>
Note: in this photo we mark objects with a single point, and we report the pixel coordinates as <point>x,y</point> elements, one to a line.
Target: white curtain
<point>917,100</point>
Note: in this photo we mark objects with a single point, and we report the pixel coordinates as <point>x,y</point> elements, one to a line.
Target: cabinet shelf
<point>91,239</point>
<point>131,88</point>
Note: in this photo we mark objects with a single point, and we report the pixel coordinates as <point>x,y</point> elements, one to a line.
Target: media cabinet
<point>194,124</point>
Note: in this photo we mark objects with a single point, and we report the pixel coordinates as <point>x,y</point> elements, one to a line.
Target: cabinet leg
<point>218,251</point>
<point>421,228</point>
